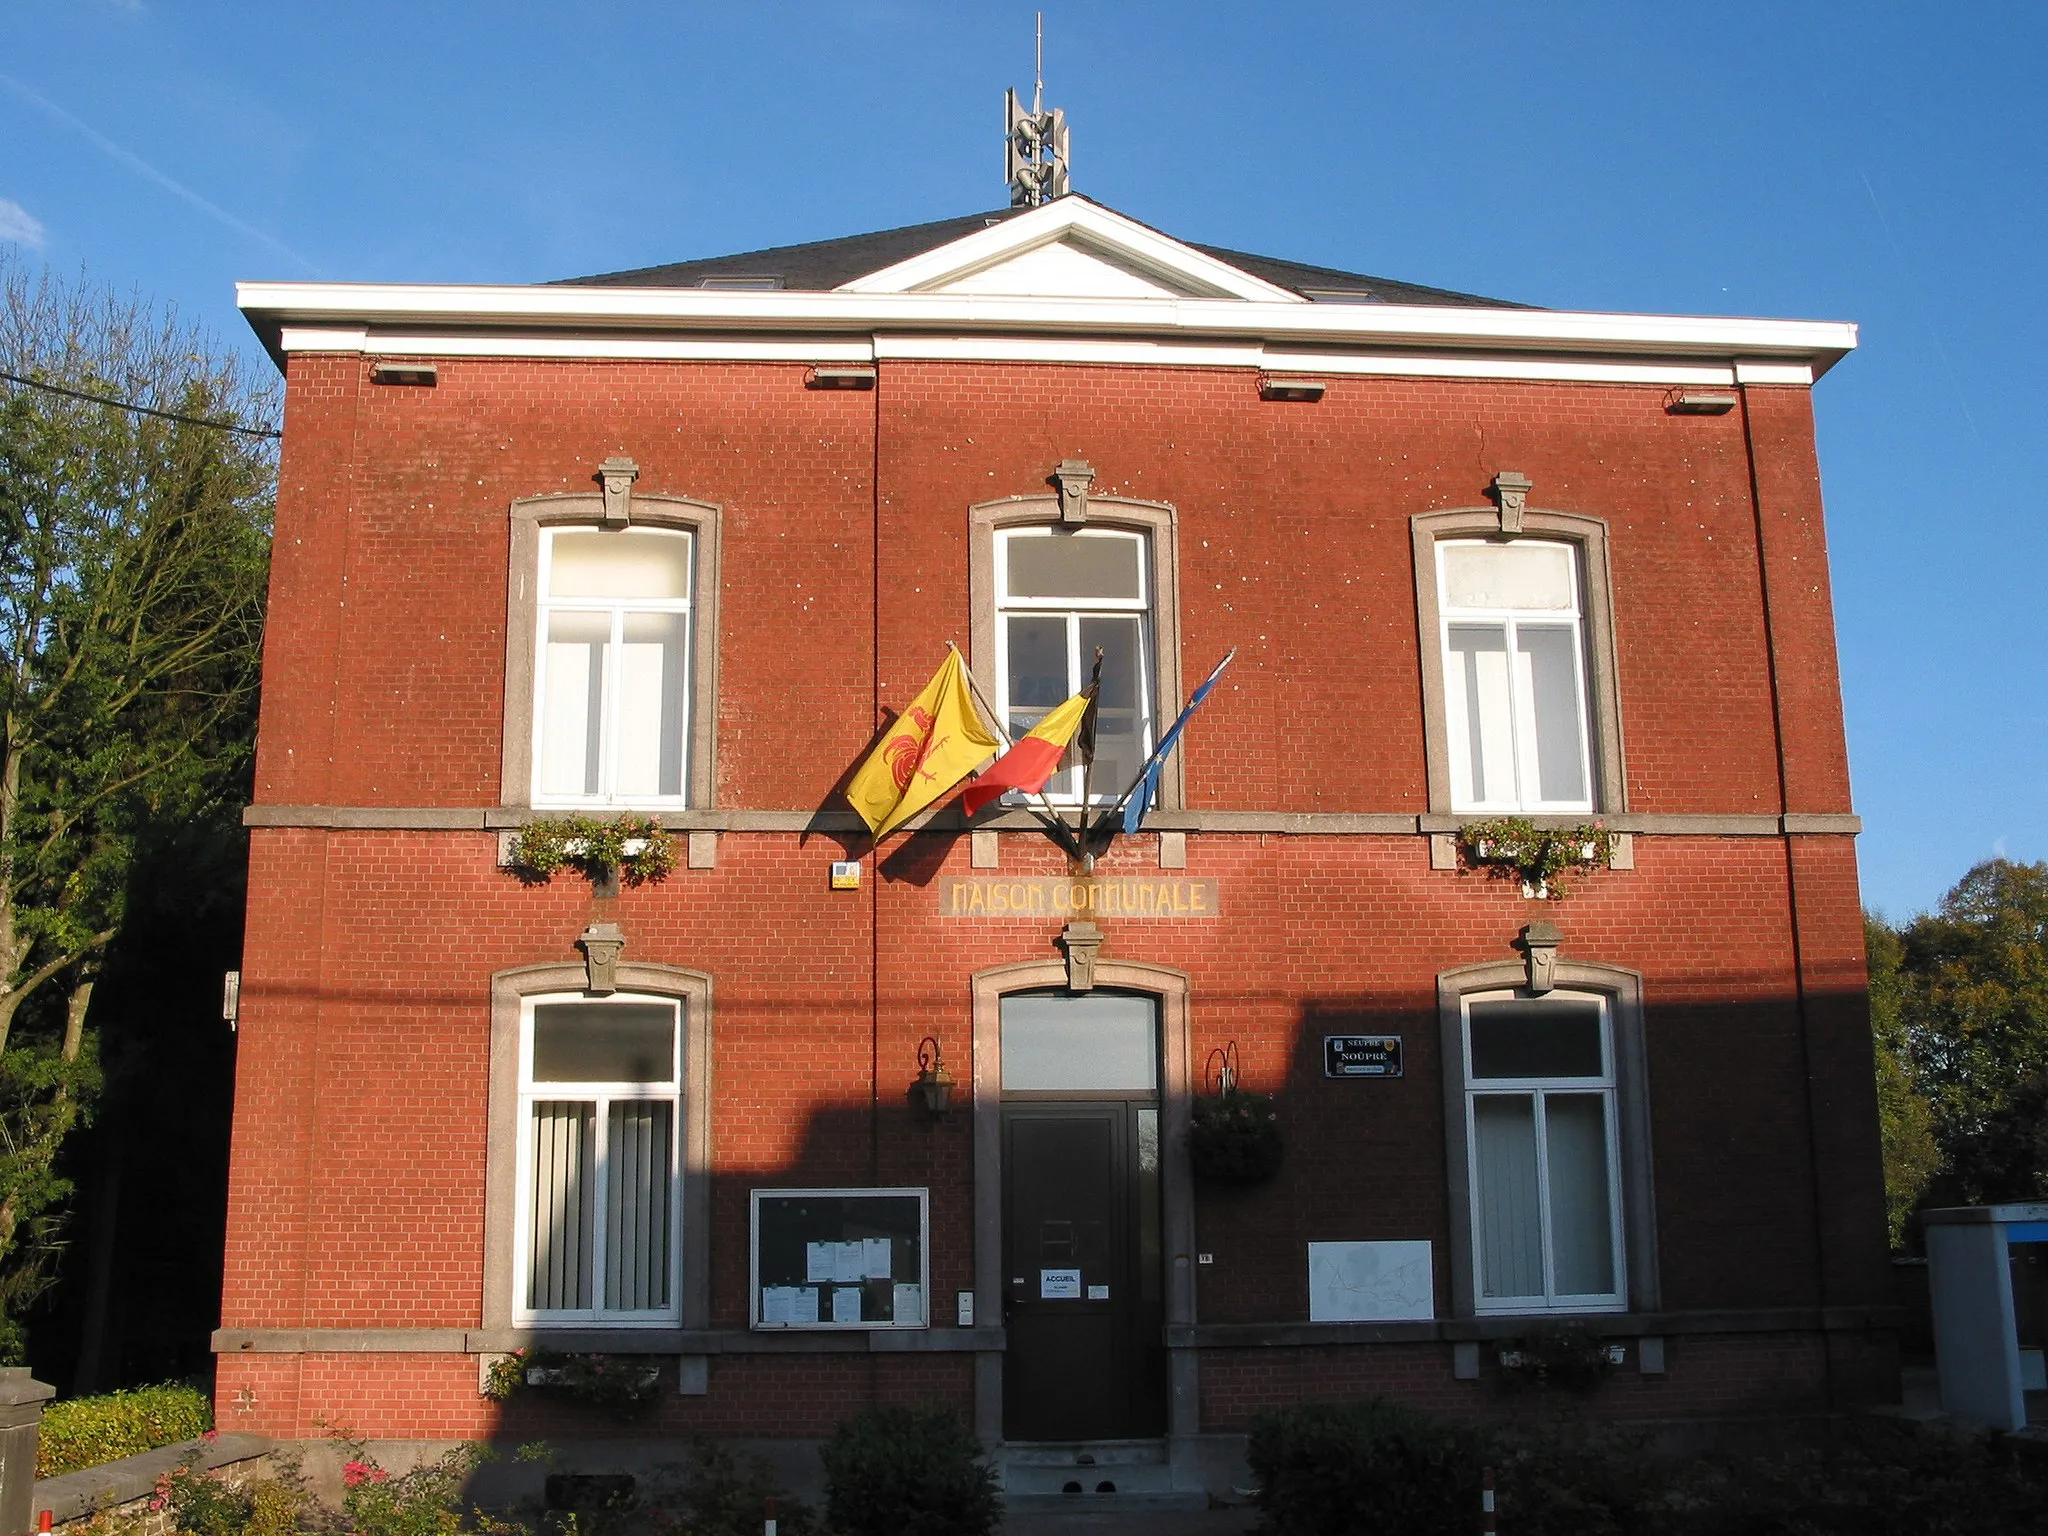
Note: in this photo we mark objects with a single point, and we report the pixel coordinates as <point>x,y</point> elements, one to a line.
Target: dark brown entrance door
<point>1083,1279</point>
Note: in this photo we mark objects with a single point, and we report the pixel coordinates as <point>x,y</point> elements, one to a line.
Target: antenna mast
<point>1037,158</point>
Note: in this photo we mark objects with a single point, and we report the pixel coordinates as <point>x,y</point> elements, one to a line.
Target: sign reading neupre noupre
<point>1361,1055</point>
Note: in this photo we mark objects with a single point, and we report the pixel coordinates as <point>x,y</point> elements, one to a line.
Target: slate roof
<point>825,264</point>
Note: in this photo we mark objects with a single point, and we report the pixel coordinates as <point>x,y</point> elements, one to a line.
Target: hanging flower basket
<point>636,847</point>
<point>1545,859</point>
<point>1234,1137</point>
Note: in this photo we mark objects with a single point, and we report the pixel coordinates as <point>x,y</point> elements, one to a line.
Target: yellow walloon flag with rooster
<point>929,748</point>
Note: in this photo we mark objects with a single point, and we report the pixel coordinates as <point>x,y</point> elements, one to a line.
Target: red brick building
<point>679,542</point>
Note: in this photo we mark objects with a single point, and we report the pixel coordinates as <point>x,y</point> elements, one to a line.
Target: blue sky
<point>1883,164</point>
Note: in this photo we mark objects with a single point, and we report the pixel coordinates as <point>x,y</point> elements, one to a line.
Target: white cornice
<point>596,322</point>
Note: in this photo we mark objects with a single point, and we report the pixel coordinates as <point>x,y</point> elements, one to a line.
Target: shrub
<point>87,1431</point>
<point>907,1472</point>
<point>1363,1469</point>
<point>427,1501</point>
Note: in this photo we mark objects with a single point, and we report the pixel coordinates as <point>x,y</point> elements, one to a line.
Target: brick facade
<point>358,1193</point>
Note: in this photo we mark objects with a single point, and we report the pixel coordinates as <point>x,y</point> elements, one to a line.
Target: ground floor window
<point>1543,1152</point>
<point>600,1217</point>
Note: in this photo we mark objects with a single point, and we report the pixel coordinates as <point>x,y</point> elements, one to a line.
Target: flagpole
<point>1088,765</point>
<point>1047,817</point>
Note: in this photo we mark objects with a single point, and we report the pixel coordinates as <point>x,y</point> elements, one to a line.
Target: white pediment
<point>1071,249</point>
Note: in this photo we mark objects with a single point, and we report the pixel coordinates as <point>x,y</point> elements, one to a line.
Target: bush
<point>907,1472</point>
<point>1375,1469</point>
<point>87,1431</point>
<point>1363,1469</point>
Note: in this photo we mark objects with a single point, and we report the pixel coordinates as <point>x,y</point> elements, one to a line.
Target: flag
<point>1145,788</point>
<point>1030,762</point>
<point>928,749</point>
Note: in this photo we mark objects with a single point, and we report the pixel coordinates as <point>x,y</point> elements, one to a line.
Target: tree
<point>1905,1121</point>
<point>133,566</point>
<point>1960,1002</point>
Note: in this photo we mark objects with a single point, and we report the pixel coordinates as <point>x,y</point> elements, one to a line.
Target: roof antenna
<point>1037,158</point>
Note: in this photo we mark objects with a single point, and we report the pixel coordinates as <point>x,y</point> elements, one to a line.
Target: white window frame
<point>547,605</point>
<point>1539,1088</point>
<point>1521,704</point>
<point>601,1096</point>
<point>1064,787</point>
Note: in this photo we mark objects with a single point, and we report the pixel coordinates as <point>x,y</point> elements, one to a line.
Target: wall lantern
<point>934,1085</point>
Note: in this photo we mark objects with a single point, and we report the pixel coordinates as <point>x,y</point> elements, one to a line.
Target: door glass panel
<point>572,702</point>
<point>1508,1212</point>
<point>1099,1042</point>
<point>1550,678</point>
<point>650,725</point>
<point>1523,576</point>
<point>1151,1255</point>
<point>622,564</point>
<point>604,1043</point>
<point>1074,565</point>
<point>1581,1229</point>
<point>1536,1037</point>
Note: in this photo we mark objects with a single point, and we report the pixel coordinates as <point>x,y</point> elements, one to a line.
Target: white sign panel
<point>1059,1285</point>
<point>1370,1282</point>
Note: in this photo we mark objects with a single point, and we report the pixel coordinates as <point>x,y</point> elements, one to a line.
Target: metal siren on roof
<point>1037,153</point>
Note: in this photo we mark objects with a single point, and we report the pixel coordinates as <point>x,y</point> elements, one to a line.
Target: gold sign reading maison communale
<point>1088,896</point>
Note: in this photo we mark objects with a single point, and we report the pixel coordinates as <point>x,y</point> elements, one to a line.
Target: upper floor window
<point>613,667</point>
<point>1543,1152</point>
<point>600,1200</point>
<point>1060,596</point>
<point>1514,675</point>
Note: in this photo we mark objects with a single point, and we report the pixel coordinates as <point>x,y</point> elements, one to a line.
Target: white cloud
<point>19,225</point>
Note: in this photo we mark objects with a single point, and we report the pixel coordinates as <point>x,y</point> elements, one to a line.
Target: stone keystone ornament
<point>1539,943</point>
<point>601,943</point>
<point>1081,940</point>
<point>1512,492</point>
<point>1074,477</point>
<point>618,474</point>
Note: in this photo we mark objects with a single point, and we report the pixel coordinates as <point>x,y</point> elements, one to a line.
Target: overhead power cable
<point>140,410</point>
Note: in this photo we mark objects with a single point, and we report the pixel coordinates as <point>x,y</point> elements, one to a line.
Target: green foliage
<point>1375,1469</point>
<point>87,1431</point>
<point>1959,1005</point>
<point>1564,1357</point>
<point>134,557</point>
<point>726,1495</point>
<point>1363,1469</point>
<point>636,847</point>
<point>624,1386</point>
<point>1905,1120</point>
<point>1543,858</point>
<point>907,1472</point>
<point>1234,1136</point>
<point>427,1501</point>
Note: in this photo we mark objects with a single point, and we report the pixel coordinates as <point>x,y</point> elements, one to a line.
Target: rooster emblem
<point>905,752</point>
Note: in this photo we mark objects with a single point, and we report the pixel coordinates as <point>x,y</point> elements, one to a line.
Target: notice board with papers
<point>840,1258</point>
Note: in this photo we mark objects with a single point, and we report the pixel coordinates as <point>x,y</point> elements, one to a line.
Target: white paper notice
<point>846,1304</point>
<point>910,1304</point>
<point>1059,1285</point>
<point>874,1258</point>
<point>819,1260</point>
<point>851,1267</point>
<point>1098,1293</point>
<point>785,1304</point>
